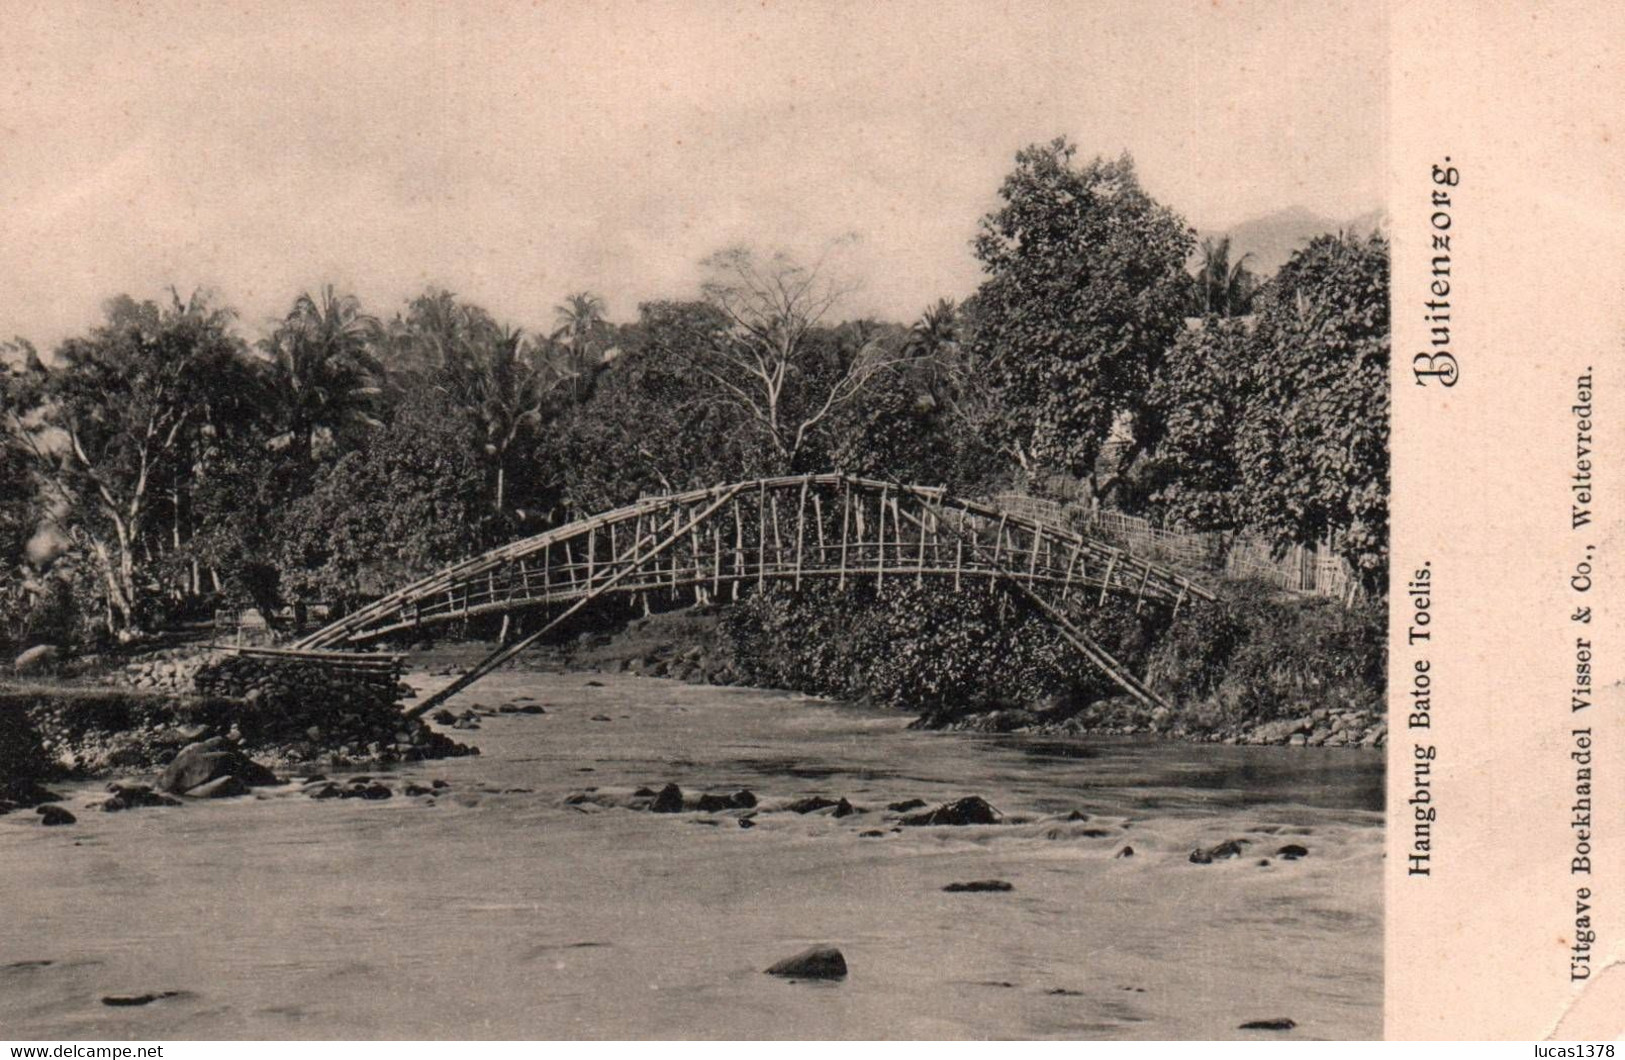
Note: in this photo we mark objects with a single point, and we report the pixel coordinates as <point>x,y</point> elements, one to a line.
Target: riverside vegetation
<point>165,464</point>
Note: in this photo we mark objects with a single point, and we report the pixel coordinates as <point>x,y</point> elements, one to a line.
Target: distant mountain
<point>1273,238</point>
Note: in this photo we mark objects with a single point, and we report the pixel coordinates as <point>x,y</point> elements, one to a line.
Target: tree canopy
<point>1084,293</point>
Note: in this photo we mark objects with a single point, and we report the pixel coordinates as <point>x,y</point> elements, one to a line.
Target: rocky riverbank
<point>216,722</point>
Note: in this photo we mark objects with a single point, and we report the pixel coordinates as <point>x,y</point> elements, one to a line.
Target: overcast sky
<point>516,152</point>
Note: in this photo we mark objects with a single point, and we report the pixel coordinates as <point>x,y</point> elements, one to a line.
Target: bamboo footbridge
<point>712,542</point>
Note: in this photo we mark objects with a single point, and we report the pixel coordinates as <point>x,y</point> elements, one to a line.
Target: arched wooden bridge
<point>711,542</point>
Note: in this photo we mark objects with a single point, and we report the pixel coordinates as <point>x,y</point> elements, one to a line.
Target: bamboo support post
<point>778,541</point>
<point>1106,582</point>
<point>846,518</point>
<point>503,655</point>
<point>761,536</point>
<point>998,549</point>
<point>818,521</point>
<point>801,529</point>
<point>716,563</point>
<point>880,550</point>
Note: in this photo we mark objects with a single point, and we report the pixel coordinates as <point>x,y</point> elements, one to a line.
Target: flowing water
<point>497,910</point>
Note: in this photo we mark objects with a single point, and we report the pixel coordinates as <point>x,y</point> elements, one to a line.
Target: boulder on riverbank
<point>210,760</point>
<point>226,787</point>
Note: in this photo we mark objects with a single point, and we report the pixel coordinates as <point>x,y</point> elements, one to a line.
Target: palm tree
<point>506,391</point>
<point>937,331</point>
<point>933,340</point>
<point>1223,288</point>
<point>580,322</point>
<point>323,368</point>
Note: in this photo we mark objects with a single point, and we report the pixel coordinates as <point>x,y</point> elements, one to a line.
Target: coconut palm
<point>1222,287</point>
<point>580,320</point>
<point>502,385</point>
<point>936,333</point>
<point>324,373</point>
<point>933,341</point>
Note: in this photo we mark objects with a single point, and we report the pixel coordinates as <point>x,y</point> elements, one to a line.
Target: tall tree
<point>326,377</point>
<point>768,363</point>
<point>105,428</point>
<point>652,424</point>
<point>1203,392</point>
<point>1313,446</point>
<point>1083,296</point>
<point>581,331</point>
<point>20,505</point>
<point>413,500</point>
<point>507,390</point>
<point>436,334</point>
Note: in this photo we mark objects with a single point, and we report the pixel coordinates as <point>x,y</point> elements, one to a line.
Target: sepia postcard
<point>727,521</point>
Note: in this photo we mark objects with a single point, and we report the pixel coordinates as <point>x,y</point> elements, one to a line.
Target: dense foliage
<point>922,645</point>
<point>1085,291</point>
<point>1254,657</point>
<point>1313,445</point>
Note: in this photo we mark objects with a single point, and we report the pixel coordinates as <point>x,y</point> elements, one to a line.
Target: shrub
<point>1254,656</point>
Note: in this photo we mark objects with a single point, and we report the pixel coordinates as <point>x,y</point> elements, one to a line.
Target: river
<point>497,910</point>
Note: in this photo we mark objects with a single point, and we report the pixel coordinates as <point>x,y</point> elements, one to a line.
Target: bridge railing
<point>783,529</point>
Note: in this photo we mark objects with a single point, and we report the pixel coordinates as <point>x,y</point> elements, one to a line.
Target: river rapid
<point>498,910</point>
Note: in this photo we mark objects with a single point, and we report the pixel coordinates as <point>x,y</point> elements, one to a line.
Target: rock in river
<point>818,962</point>
<point>670,800</point>
<point>371,792</point>
<point>136,1000</point>
<point>1292,852</point>
<point>980,885</point>
<point>225,787</point>
<point>973,809</point>
<point>812,804</point>
<point>1230,848</point>
<point>132,796</point>
<point>54,815</point>
<point>1279,1023</point>
<point>709,803</point>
